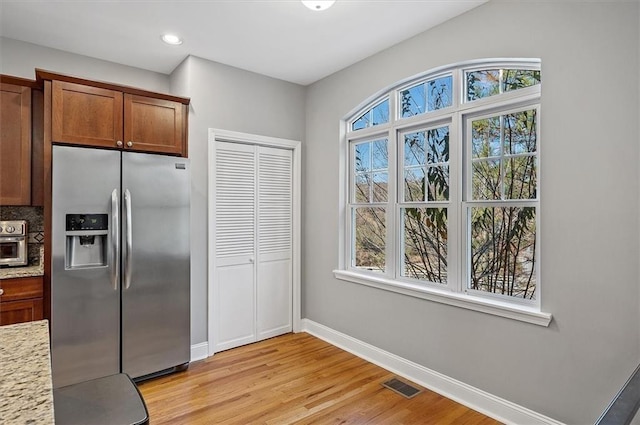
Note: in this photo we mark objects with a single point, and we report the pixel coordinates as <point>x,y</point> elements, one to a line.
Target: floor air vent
<point>401,388</point>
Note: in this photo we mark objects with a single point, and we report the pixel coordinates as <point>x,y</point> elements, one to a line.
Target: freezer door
<point>85,295</point>
<point>155,263</point>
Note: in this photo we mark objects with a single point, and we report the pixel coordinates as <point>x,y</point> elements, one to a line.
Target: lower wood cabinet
<point>21,300</point>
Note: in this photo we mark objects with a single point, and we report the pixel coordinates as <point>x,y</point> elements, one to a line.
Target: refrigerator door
<point>155,263</point>
<point>85,295</point>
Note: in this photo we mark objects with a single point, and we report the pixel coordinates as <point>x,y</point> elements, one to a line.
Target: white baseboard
<point>474,398</point>
<point>199,351</point>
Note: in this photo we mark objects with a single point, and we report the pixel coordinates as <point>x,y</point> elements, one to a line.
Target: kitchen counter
<point>26,391</point>
<point>27,271</point>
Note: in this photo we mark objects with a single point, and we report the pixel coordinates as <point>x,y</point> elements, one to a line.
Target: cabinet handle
<point>1,291</point>
<point>119,143</point>
<point>129,143</point>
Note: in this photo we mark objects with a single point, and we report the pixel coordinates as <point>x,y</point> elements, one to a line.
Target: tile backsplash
<point>35,227</point>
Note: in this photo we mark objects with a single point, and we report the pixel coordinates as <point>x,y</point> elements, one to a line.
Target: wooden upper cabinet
<point>153,125</point>
<point>86,115</point>
<point>91,113</point>
<point>15,144</point>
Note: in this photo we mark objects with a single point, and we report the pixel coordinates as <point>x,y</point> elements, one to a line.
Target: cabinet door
<point>154,125</point>
<point>15,145</point>
<point>84,115</point>
<point>20,311</point>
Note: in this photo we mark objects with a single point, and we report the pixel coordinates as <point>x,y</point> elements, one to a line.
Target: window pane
<point>362,188</point>
<point>414,149</point>
<point>379,154</point>
<point>438,145</point>
<point>520,177</point>
<point>489,82</point>
<point>371,161</point>
<point>439,93</point>
<point>438,178</point>
<point>414,185</point>
<point>483,83</point>
<point>380,187</point>
<point>380,113</point>
<point>485,137</point>
<point>363,157</point>
<point>485,180</point>
<point>520,134</point>
<point>514,79</point>
<point>362,122</point>
<point>503,251</point>
<point>425,244</point>
<point>370,235</point>
<point>413,101</point>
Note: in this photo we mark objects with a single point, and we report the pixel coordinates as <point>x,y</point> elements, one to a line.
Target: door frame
<point>219,135</point>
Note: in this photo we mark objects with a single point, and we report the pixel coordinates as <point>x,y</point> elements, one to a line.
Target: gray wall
<point>20,59</point>
<point>589,206</point>
<point>227,98</point>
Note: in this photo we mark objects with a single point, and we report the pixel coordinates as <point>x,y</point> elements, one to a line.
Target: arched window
<point>443,185</point>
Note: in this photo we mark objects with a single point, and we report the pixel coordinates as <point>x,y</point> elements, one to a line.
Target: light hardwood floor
<point>292,379</point>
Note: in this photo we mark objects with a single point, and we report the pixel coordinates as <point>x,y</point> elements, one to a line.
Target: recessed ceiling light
<point>171,39</point>
<point>318,4</point>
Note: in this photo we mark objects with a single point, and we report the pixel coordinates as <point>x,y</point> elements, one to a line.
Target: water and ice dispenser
<point>86,240</point>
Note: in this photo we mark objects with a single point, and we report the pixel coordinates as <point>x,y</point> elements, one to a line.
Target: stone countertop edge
<point>27,271</point>
<point>26,390</point>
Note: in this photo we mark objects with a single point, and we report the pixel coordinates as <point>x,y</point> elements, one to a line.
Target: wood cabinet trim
<point>19,81</point>
<point>42,75</point>
<point>48,156</point>
<point>37,148</point>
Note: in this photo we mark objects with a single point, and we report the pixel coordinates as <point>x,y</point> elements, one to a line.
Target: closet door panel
<point>236,318</point>
<point>235,222</point>
<point>274,298</point>
<point>275,213</point>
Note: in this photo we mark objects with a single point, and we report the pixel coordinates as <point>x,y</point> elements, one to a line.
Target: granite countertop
<point>26,271</point>
<point>26,391</point>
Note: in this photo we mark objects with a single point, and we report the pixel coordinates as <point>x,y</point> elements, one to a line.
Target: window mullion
<point>392,201</point>
<point>453,208</point>
<point>349,245</point>
<point>502,171</point>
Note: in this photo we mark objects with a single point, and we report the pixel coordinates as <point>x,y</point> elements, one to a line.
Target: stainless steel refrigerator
<point>120,279</point>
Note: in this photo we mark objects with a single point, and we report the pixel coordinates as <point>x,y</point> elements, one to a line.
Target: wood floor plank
<point>293,379</point>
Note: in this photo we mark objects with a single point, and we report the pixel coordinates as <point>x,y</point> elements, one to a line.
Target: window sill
<point>495,307</point>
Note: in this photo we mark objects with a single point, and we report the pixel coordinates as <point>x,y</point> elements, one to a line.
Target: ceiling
<point>279,38</point>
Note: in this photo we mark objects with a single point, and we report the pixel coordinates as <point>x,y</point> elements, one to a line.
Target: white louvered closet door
<point>253,230</point>
<point>275,210</point>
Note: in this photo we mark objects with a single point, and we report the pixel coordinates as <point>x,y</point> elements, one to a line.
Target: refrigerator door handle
<point>128,237</point>
<point>115,234</point>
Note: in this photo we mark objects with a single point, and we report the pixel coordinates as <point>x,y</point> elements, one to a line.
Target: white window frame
<point>455,291</point>
<point>499,108</point>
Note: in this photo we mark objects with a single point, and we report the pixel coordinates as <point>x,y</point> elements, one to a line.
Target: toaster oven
<point>13,243</point>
